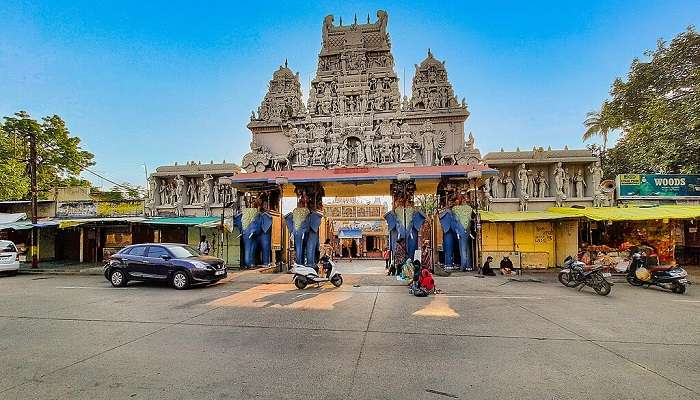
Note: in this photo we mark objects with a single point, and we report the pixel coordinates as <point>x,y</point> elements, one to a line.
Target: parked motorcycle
<point>574,274</point>
<point>670,277</point>
<point>304,275</point>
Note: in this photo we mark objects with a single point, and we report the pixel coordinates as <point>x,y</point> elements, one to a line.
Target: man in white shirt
<point>203,245</point>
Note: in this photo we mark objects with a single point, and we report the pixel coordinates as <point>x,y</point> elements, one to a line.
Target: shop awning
<point>68,223</point>
<point>26,225</point>
<point>630,213</point>
<point>520,216</point>
<point>204,222</point>
<point>349,233</point>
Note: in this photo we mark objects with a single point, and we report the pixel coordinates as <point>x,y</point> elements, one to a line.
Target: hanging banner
<point>654,186</point>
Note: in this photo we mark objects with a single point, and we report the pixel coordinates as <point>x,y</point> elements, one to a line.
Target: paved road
<point>256,336</point>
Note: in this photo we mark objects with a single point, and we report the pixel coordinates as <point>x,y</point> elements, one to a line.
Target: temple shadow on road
<point>284,296</point>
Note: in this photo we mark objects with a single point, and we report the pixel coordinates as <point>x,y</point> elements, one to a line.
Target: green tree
<point>59,156</point>
<point>657,110</point>
<point>598,124</point>
<point>14,181</point>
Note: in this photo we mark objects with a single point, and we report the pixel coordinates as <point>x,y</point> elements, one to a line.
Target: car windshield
<point>7,247</point>
<point>184,251</point>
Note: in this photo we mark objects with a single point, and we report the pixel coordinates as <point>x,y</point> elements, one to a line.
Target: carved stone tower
<point>355,115</point>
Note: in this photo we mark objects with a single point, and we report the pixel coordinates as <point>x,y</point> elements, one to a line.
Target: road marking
<point>84,287</point>
<point>491,297</point>
<point>688,301</point>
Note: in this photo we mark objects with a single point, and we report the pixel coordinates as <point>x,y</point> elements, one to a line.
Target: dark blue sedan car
<point>179,264</point>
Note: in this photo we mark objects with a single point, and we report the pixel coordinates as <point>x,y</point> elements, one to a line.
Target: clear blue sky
<point>156,82</point>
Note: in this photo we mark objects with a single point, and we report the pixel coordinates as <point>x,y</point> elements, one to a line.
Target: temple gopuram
<point>355,115</point>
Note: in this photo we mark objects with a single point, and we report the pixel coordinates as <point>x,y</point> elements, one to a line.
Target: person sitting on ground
<point>486,269</point>
<point>507,266</point>
<point>416,274</point>
<point>426,283</point>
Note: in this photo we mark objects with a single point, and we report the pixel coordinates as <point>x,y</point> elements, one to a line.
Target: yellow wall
<point>567,240</point>
<point>535,240</point>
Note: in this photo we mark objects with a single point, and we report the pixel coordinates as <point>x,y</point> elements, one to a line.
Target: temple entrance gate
<point>358,136</point>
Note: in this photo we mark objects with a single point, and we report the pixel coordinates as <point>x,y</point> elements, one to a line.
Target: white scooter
<point>304,275</point>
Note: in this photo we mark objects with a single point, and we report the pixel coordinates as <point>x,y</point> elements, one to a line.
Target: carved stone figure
<point>152,190</point>
<point>559,178</point>
<point>566,179</point>
<point>579,183</point>
<point>192,191</point>
<point>531,185</point>
<point>344,154</point>
<point>507,180</point>
<point>542,185</point>
<point>523,180</point>
<point>596,175</point>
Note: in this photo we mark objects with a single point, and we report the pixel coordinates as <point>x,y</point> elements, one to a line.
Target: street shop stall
<point>531,239</point>
<point>606,234</point>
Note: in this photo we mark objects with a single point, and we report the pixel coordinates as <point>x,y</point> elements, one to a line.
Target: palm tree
<point>597,125</point>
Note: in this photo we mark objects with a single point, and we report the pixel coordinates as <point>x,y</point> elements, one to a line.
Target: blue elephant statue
<point>306,239</point>
<point>409,233</point>
<point>257,237</point>
<point>456,234</point>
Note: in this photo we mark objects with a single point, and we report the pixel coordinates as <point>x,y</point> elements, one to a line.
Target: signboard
<point>91,209</point>
<point>636,186</point>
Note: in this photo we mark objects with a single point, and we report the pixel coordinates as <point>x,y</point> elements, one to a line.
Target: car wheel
<point>117,278</point>
<point>180,280</point>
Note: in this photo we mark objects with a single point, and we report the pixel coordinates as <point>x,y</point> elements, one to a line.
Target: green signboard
<point>657,185</point>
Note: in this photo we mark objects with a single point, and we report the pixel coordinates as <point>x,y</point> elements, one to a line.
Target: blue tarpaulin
<point>350,233</point>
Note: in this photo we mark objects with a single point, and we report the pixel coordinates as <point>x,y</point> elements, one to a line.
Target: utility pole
<point>35,211</point>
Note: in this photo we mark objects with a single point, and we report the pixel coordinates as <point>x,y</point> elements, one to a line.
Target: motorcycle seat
<point>661,268</point>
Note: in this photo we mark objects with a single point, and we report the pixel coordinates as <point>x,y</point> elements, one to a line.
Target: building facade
<point>356,229</point>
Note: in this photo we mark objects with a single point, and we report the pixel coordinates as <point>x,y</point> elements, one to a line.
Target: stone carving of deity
<point>344,154</point>
<point>318,147</point>
<point>407,148</point>
<point>566,185</point>
<point>151,190</point>
<point>162,192</point>
<point>335,151</point>
<point>179,190</point>
<point>428,148</point>
<point>372,84</point>
<point>596,175</point>
<point>192,191</point>
<point>216,192</point>
<point>369,147</point>
<point>579,183</point>
<point>507,180</point>
<point>542,184</point>
<point>487,187</point>
<point>522,179</point>
<point>559,178</point>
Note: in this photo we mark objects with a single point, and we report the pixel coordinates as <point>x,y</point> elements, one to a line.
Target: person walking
<point>203,246</point>
<point>386,255</point>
